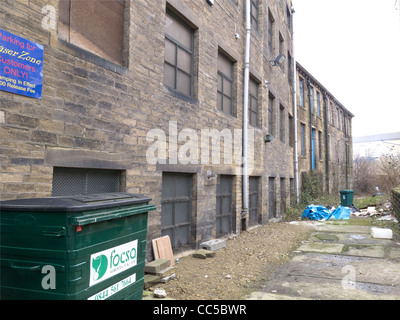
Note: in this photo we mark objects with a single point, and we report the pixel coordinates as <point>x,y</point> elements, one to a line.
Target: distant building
<point>375,146</point>
<point>324,133</point>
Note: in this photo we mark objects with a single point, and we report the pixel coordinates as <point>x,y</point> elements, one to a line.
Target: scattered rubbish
<point>228,276</point>
<point>354,209</point>
<point>388,217</point>
<point>150,280</point>
<point>322,213</point>
<point>377,192</point>
<point>213,245</point>
<point>356,237</point>
<point>168,278</point>
<point>156,266</point>
<point>385,211</point>
<point>381,233</point>
<point>160,293</point>
<point>157,271</point>
<point>203,254</point>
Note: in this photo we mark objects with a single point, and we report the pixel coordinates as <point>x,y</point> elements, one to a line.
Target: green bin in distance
<point>346,198</point>
<point>74,248</point>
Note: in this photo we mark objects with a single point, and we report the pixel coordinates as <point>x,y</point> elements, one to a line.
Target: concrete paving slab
<point>366,251</point>
<point>394,253</point>
<point>347,238</point>
<point>329,289</point>
<point>272,296</point>
<point>334,227</point>
<point>328,266</point>
<point>340,261</point>
<point>333,248</point>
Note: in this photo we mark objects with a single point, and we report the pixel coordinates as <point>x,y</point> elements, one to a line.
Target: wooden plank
<point>162,249</point>
<point>155,249</point>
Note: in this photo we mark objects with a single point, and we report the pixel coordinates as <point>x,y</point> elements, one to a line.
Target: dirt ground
<point>239,269</point>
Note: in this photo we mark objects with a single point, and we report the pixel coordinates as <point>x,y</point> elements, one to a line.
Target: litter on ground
<point>322,213</point>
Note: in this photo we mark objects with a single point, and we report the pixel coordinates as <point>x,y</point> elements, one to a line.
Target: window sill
<point>95,59</point>
<point>255,127</point>
<point>179,95</point>
<point>228,115</point>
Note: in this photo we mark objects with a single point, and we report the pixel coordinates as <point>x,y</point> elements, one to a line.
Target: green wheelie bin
<point>74,248</point>
<point>346,198</point>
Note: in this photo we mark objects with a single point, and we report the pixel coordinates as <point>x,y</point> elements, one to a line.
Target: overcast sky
<point>353,48</point>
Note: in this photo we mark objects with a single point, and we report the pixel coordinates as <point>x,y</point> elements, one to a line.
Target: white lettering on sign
<point>108,292</point>
<point>110,262</point>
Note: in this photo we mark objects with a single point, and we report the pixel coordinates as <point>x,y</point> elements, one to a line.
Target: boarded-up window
<point>253,103</point>
<point>225,84</point>
<point>178,66</point>
<point>254,14</point>
<point>271,101</point>
<point>94,25</point>
<point>282,118</point>
<point>271,25</point>
<point>303,139</point>
<point>82,181</point>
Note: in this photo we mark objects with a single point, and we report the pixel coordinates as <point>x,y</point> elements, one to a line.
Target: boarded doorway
<point>272,200</point>
<point>283,196</point>
<point>253,201</point>
<point>176,212</point>
<point>224,212</point>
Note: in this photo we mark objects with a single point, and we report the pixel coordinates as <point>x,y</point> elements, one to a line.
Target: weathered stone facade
<point>96,113</point>
<point>332,138</point>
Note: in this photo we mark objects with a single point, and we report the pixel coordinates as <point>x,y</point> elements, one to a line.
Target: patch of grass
<point>364,202</point>
<point>293,213</point>
<point>326,237</point>
<point>360,221</point>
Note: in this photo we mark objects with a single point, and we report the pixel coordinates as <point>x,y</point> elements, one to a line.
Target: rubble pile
<point>385,212</point>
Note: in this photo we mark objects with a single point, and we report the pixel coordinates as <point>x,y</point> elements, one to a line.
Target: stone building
<point>325,134</point>
<point>148,96</point>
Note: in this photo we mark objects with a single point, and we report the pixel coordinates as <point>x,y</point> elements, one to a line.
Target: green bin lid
<point>74,203</point>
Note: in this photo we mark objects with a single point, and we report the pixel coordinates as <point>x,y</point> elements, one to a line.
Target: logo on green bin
<point>99,265</point>
<point>110,262</point>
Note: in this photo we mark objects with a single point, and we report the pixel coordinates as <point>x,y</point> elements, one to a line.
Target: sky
<point>352,47</point>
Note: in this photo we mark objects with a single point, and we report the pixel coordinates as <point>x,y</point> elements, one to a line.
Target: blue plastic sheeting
<point>321,213</point>
<point>341,213</point>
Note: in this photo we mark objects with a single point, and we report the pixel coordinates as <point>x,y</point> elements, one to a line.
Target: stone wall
<point>96,113</point>
<point>396,202</point>
<point>332,126</point>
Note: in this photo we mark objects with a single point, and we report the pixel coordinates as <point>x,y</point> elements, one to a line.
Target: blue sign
<point>21,65</point>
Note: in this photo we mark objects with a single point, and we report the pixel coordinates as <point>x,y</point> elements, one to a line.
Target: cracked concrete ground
<point>340,261</point>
